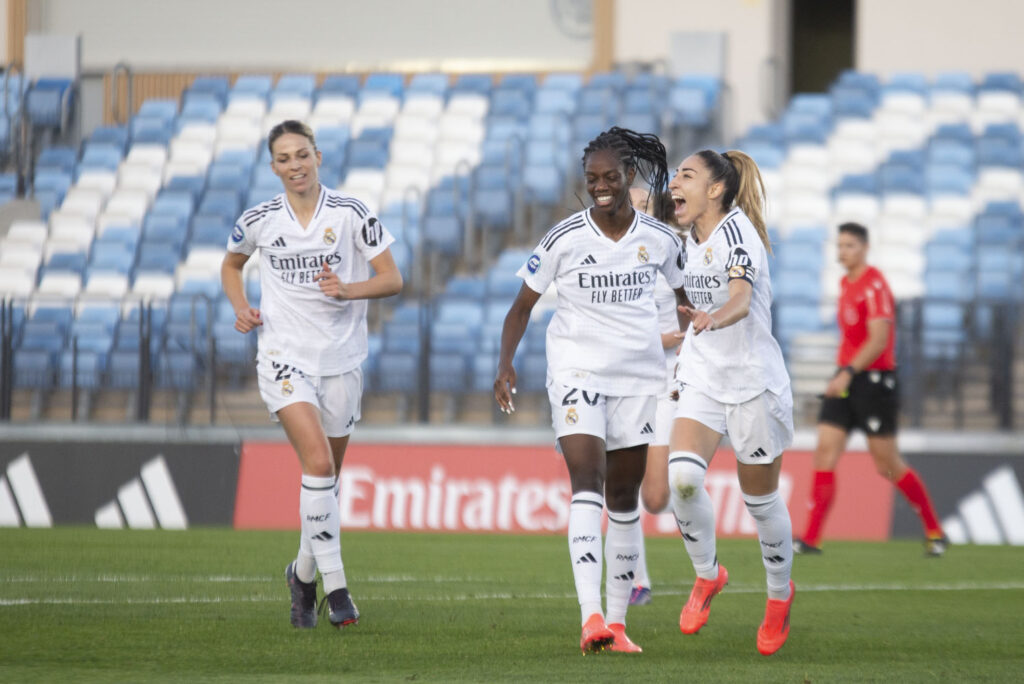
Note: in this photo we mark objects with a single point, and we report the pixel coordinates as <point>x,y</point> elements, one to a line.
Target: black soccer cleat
<point>802,547</point>
<point>342,612</point>
<point>303,599</point>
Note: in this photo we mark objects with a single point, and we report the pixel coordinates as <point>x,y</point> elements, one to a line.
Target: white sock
<point>642,579</point>
<point>585,510</point>
<point>695,514</point>
<point>620,555</point>
<point>318,507</point>
<point>775,532</point>
<point>305,563</point>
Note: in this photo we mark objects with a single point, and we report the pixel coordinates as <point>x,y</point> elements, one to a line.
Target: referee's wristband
<point>849,369</point>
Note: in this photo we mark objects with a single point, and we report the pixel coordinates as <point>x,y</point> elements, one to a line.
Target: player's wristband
<point>849,369</point>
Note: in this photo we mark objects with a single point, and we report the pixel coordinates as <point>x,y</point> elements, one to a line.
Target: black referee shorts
<point>872,404</point>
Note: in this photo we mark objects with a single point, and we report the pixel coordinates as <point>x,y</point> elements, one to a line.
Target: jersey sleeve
<point>243,237</point>
<point>878,299</point>
<point>372,238</point>
<point>540,269</point>
<point>743,260</point>
<point>672,266</point>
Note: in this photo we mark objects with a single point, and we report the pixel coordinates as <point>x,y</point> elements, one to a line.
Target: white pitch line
<point>740,589</point>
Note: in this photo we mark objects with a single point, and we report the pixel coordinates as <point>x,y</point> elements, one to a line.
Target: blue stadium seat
<point>443,234</point>
<point>482,370</point>
<point>448,372</point>
<point>177,370</point>
<point>165,109</point>
<point>380,82</point>
<point>210,230</point>
<point>105,156</point>
<point>401,337</point>
<point>796,285</point>
<point>460,311</point>
<point>548,101</point>
<point>33,368</point>
<point>1004,80</point>
<point>531,373</point>
<point>474,83</point>
<point>204,109</point>
<point>944,257</point>
<point>150,130</point>
<point>567,81</point>
<point>510,103</point>
<point>217,86</point>
<point>955,81</point>
<point>434,83</point>
<point>220,202</point>
<point>49,101</point>
<point>88,368</point>
<point>948,286</point>
<point>343,84</point>
<point>176,203</point>
<point>398,372</point>
<point>296,84</point>
<point>258,85</point>
<point>111,135</point>
<point>67,261</point>
<point>543,184</point>
<point>616,80</point>
<point>123,368</point>
<point>110,257</point>
<point>59,157</point>
<point>603,101</point>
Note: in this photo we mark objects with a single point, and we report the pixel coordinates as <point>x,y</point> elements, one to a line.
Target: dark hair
<point>743,185</point>
<point>289,126</point>
<point>643,152</point>
<point>856,230</point>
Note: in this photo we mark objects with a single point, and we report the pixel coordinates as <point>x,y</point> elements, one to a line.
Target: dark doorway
<point>822,43</point>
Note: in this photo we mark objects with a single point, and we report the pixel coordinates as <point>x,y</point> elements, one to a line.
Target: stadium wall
<point>476,481</point>
<point>931,36</point>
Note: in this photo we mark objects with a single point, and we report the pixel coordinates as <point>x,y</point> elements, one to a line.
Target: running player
<point>863,394</point>
<point>654,490</point>
<point>605,364</point>
<point>734,382</point>
<point>316,249</point>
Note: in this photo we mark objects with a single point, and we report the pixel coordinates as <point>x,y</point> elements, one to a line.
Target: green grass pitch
<point>81,605</point>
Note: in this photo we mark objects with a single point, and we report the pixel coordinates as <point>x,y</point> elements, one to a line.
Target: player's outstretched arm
<point>516,320</point>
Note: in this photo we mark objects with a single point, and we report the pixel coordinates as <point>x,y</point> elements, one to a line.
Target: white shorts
<point>336,397</point>
<point>620,421</point>
<point>759,429</point>
<point>663,418</point>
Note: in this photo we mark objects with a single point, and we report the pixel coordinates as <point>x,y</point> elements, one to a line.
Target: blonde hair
<point>744,186</point>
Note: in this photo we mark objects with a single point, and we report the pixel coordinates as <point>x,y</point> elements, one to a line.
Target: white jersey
<point>668,322</point>
<point>604,336</point>
<point>736,363</point>
<point>302,327</point>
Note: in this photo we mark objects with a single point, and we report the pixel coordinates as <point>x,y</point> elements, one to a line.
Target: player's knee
<point>622,496</point>
<point>686,472</point>
<point>655,498</point>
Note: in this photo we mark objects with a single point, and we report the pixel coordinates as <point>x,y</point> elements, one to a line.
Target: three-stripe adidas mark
<point>279,242</point>
<point>759,453</point>
<point>589,261</point>
<point>21,497</point>
<point>145,501</point>
<point>586,558</point>
<point>992,514</point>
<point>323,536</point>
<point>647,429</point>
<point>627,576</point>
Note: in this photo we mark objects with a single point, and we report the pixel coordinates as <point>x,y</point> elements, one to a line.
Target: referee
<point>863,394</point>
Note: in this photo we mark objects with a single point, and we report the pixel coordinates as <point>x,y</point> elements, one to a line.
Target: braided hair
<point>643,152</point>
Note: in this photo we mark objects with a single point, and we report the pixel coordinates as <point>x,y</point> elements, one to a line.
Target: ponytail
<point>750,195</point>
<point>744,186</point>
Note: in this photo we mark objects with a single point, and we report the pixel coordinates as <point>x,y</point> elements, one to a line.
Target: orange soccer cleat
<point>622,643</point>
<point>596,635</point>
<point>698,607</point>
<point>772,633</point>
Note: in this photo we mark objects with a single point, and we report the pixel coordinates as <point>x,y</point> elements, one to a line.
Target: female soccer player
<point>605,364</point>
<point>654,490</point>
<point>863,394</point>
<point>734,382</point>
<point>316,249</point>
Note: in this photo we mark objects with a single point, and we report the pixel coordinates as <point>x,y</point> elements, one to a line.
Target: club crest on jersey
<point>642,256</point>
<point>571,417</point>
<point>287,388</point>
<point>329,237</point>
<point>708,256</point>
<point>533,263</point>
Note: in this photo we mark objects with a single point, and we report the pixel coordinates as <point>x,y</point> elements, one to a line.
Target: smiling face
<point>296,163</point>
<point>607,181</point>
<point>693,193</point>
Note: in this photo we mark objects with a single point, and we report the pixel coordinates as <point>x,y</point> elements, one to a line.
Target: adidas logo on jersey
<point>647,429</point>
<point>589,261</point>
<point>279,242</point>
